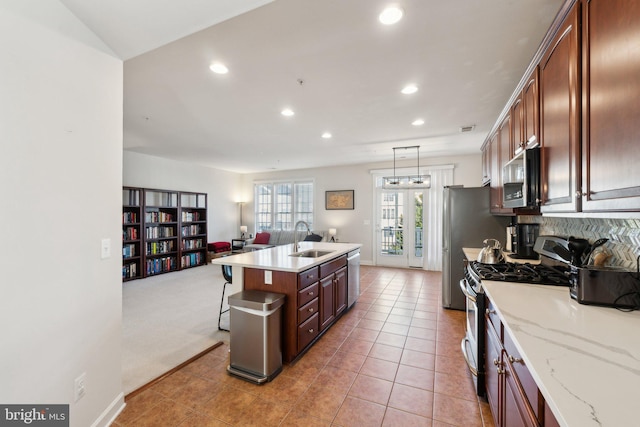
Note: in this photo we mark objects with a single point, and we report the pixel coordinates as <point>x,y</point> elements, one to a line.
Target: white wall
<point>223,188</point>
<point>351,223</point>
<point>60,174</point>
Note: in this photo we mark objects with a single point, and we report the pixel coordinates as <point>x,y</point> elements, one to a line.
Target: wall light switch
<point>268,278</point>
<point>105,248</point>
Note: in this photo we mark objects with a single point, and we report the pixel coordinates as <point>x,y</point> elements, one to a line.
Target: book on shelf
<point>129,250</point>
<point>129,271</point>
<point>158,216</point>
<point>129,217</point>
<point>191,260</point>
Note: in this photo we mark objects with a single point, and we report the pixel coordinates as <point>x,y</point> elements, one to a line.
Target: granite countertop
<point>585,359</point>
<point>277,258</point>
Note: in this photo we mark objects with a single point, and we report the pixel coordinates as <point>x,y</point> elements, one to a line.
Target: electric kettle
<point>491,253</point>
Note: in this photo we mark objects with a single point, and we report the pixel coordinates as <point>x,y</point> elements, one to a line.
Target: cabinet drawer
<point>307,294</point>
<point>308,331</point>
<point>307,277</point>
<point>329,267</point>
<point>521,373</point>
<point>307,310</point>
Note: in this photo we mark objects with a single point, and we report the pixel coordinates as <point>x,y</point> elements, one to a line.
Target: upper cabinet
<point>531,118</point>
<point>559,119</point>
<point>579,102</point>
<point>611,106</point>
<point>501,145</point>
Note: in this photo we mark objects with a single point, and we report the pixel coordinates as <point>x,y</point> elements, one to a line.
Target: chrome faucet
<point>295,234</point>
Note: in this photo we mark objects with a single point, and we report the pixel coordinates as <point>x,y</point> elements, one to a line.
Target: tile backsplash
<point>623,235</point>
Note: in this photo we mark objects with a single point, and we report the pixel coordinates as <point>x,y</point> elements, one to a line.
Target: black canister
<point>525,239</point>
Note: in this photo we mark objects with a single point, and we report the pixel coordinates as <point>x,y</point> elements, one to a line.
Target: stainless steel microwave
<point>521,180</point>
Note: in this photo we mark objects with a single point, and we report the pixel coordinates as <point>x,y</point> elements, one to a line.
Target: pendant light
<point>406,181</point>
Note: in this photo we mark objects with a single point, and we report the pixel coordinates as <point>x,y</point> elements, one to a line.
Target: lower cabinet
<point>333,294</point>
<point>315,299</point>
<point>510,404</point>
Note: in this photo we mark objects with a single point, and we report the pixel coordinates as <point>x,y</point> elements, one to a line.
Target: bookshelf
<point>131,234</point>
<point>162,231</point>
<point>193,229</point>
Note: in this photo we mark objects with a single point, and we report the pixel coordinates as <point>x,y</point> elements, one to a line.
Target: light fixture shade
<point>243,228</point>
<point>332,231</point>
<point>406,182</point>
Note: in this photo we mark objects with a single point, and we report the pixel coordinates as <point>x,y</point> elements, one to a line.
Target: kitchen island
<point>316,287</point>
<point>585,360</point>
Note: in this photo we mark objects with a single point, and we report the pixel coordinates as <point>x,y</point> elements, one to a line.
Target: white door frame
<point>407,258</point>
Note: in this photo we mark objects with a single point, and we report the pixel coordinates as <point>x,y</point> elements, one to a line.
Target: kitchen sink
<point>311,253</point>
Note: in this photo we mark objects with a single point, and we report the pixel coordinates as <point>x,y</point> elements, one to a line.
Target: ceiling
<point>331,61</point>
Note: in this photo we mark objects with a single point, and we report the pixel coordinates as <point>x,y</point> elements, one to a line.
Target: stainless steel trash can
<point>255,320</point>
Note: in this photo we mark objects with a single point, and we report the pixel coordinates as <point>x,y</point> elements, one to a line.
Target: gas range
<point>538,274</point>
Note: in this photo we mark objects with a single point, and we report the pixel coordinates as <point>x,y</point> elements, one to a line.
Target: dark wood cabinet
<point>315,299</point>
<point>531,118</point>
<point>493,373</point>
<point>511,392</point>
<point>517,127</point>
<point>559,119</point>
<point>327,296</point>
<point>486,163</point>
<point>611,106</point>
<point>500,154</point>
<point>333,290</point>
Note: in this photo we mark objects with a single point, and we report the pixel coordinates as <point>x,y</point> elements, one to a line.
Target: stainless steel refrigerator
<point>466,223</point>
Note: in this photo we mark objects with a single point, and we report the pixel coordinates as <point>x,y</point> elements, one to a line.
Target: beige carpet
<point>168,319</point>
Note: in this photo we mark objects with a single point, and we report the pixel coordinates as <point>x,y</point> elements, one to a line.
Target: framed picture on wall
<point>338,200</point>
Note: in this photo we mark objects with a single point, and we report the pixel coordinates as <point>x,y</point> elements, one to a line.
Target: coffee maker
<point>524,238</point>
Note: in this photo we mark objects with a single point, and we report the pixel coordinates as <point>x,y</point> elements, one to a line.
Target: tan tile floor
<point>393,360</point>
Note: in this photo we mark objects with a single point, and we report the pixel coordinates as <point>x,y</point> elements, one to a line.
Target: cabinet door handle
<point>514,359</point>
<point>500,371</point>
<point>496,362</point>
<point>309,276</point>
<point>311,330</point>
<point>310,293</point>
<point>311,310</point>
<point>489,311</point>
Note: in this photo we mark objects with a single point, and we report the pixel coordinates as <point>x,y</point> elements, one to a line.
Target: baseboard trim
<point>111,413</point>
<point>171,371</point>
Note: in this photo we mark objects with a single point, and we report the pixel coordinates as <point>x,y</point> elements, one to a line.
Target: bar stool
<point>226,272</point>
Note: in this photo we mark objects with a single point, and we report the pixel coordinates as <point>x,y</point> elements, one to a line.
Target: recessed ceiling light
<point>327,135</point>
<point>219,68</point>
<point>409,89</point>
<point>391,15</point>
<point>288,112</point>
<point>417,122</point>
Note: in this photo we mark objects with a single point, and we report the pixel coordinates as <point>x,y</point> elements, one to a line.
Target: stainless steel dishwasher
<point>353,271</point>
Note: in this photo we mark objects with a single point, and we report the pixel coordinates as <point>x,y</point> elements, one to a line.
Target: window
<point>280,205</point>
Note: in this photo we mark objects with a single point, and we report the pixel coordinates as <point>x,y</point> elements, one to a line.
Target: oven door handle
<point>463,346</point>
<point>463,288</point>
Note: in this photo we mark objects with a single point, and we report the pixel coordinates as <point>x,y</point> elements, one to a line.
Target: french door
<point>399,230</point>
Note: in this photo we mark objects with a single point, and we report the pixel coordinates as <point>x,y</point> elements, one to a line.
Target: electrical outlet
<point>79,388</point>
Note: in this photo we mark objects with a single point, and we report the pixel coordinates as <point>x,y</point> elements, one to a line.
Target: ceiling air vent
<point>467,128</point>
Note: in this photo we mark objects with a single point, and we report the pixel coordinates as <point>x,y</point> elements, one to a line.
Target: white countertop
<point>585,359</point>
<point>277,258</point>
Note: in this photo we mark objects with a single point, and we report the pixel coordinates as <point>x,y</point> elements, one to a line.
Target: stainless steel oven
<point>473,344</point>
